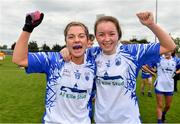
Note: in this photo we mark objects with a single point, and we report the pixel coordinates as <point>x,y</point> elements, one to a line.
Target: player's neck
<point>168,57</point>
<point>78,60</point>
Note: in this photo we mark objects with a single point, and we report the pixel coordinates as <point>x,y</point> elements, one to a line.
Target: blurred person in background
<point>176,76</point>
<point>91,40</point>
<point>147,72</point>
<point>164,84</point>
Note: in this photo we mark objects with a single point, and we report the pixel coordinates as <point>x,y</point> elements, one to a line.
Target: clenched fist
<point>146,18</point>
<point>32,20</point>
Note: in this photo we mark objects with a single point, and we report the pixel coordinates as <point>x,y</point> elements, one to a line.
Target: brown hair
<point>76,24</point>
<point>91,37</point>
<point>108,19</point>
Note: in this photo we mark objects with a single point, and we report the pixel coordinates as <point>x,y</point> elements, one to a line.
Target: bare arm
<point>178,71</point>
<point>20,53</point>
<point>166,42</point>
<point>146,68</point>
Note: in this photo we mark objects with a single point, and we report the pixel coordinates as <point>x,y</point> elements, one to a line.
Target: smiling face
<point>107,37</point>
<point>108,33</point>
<point>76,41</point>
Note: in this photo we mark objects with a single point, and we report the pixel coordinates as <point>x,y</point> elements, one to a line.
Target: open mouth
<point>77,47</point>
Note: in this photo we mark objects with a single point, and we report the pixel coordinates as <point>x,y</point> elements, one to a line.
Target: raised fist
<point>146,18</point>
<point>32,20</point>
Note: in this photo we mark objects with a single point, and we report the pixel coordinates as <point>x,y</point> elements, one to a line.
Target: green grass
<point>22,97</point>
<point>147,106</point>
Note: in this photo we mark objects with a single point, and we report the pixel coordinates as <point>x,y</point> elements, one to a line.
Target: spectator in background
<point>92,98</point>
<point>2,56</point>
<point>164,84</point>
<point>91,40</point>
<point>146,75</point>
<point>176,76</point>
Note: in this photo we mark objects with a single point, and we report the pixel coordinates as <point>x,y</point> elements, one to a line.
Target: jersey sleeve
<point>44,62</point>
<point>143,53</point>
<point>37,62</point>
<point>148,53</point>
<point>93,51</point>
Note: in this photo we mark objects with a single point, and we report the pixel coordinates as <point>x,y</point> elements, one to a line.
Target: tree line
<point>33,46</point>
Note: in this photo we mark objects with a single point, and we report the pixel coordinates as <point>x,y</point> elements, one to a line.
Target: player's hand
<point>65,54</point>
<point>32,20</point>
<point>153,74</point>
<point>146,18</point>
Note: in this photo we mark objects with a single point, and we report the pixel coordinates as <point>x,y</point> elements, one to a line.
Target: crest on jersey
<point>86,74</point>
<point>118,61</point>
<point>77,74</point>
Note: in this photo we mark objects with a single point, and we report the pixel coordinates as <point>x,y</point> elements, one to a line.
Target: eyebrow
<point>108,32</point>
<point>78,34</point>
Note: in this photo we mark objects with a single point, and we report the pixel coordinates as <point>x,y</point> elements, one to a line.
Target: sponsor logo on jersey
<point>111,81</point>
<point>99,64</point>
<point>66,72</point>
<point>72,93</point>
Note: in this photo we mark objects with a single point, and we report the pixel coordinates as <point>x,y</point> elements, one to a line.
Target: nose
<point>107,38</point>
<point>76,39</point>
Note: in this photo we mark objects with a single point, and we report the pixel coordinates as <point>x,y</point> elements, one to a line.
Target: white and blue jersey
<point>116,100</point>
<point>68,87</point>
<point>165,72</point>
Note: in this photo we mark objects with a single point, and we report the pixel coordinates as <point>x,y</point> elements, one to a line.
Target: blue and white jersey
<point>116,100</point>
<point>68,87</point>
<point>165,72</point>
<point>177,59</point>
<point>146,74</point>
